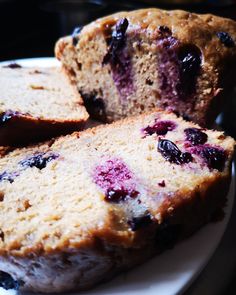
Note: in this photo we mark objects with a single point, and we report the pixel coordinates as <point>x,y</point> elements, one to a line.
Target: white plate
<point>171,272</point>
<point>34,62</point>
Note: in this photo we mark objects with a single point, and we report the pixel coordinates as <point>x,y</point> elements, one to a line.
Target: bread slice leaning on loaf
<point>36,104</point>
<point>131,62</point>
<point>79,210</point>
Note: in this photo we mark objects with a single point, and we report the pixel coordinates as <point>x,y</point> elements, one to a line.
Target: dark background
<point>31,28</point>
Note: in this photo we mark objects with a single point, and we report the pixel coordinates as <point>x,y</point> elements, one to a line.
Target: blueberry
<point>7,282</point>
<point>162,183</point>
<point>8,176</point>
<point>160,128</point>
<point>149,82</point>
<point>117,42</point>
<point>75,35</point>
<point>139,222</point>
<point>165,31</point>
<point>172,153</point>
<point>2,235</point>
<point>186,117</point>
<point>195,136</point>
<point>38,160</point>
<point>214,157</point>
<point>186,158</point>
<point>119,195</point>
<point>94,105</point>
<point>189,57</point>
<point>226,39</point>
<point>169,150</point>
<point>7,116</point>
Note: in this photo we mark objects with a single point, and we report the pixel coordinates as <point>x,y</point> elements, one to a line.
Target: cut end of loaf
<point>132,62</point>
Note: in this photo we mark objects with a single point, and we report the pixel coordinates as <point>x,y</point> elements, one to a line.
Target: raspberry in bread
<point>86,206</point>
<point>37,103</point>
<point>134,61</point>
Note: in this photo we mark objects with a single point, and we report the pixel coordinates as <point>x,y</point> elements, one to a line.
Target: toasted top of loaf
<point>66,194</point>
<point>199,29</point>
<point>44,93</point>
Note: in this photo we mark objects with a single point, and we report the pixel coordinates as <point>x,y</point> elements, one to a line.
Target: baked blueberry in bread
<point>78,210</point>
<point>36,104</point>
<point>7,283</point>
<point>130,62</point>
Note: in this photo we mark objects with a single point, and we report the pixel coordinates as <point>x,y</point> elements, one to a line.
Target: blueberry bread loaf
<point>134,61</point>
<point>89,205</point>
<point>37,103</point>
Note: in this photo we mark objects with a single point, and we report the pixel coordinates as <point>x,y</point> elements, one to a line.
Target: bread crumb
<point>37,87</point>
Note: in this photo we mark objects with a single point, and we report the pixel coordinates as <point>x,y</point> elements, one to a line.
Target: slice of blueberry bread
<point>89,205</point>
<point>37,103</point>
<point>134,61</point>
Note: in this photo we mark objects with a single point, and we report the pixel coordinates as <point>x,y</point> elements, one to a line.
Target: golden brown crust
<point>23,129</point>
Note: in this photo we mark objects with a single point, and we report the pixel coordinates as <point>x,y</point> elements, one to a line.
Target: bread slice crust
<point>37,104</point>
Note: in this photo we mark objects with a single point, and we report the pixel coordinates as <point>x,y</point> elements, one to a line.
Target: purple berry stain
<point>172,153</point>
<point>168,69</point>
<point>119,58</point>
<point>214,157</point>
<point>195,136</point>
<point>160,128</point>
<point>116,180</point>
<point>38,160</point>
<point>178,66</point>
